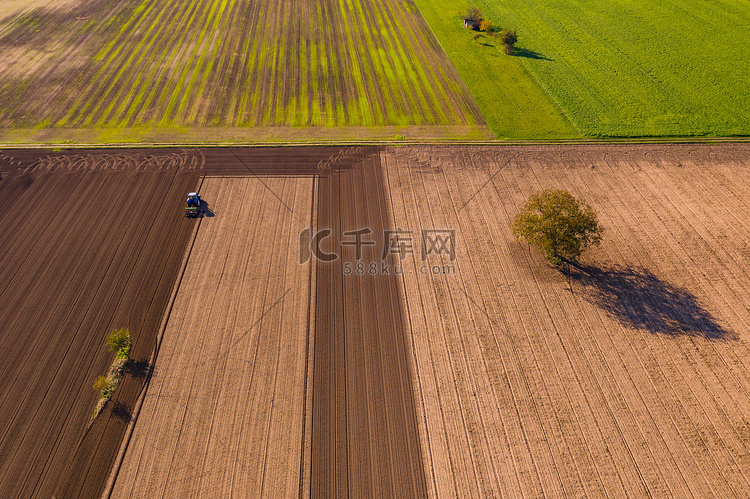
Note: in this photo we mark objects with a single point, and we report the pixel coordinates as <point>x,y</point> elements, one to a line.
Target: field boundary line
<point>139,403</point>
<point>305,475</point>
<point>374,142</point>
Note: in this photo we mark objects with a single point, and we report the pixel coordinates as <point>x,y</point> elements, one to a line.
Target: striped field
<point>176,64</point>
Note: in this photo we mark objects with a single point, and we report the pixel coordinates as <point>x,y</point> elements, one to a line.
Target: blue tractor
<point>193,208</point>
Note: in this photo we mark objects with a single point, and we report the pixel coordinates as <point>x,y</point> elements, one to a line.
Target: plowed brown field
<point>365,440</point>
<point>632,378</point>
<point>89,242</point>
<point>224,413</point>
<point>488,374</point>
<point>235,407</point>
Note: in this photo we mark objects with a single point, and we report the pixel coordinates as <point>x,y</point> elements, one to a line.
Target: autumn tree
<point>561,225</point>
<point>119,341</point>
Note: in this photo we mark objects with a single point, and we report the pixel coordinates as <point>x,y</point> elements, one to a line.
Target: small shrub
<point>119,341</point>
<point>486,26</point>
<point>101,385</point>
<point>508,38</point>
<point>117,369</point>
<point>477,36</point>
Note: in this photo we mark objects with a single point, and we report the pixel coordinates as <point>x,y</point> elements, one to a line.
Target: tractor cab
<point>193,207</point>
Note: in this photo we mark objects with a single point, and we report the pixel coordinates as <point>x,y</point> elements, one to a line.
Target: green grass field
<point>514,105</point>
<point>629,68</point>
<point>248,71</point>
<point>182,64</point>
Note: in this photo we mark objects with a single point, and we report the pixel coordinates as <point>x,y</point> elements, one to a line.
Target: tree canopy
<point>474,14</point>
<point>119,341</point>
<point>561,225</point>
<point>508,37</point>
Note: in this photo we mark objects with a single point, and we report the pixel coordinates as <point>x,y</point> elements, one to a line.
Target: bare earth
<point>224,413</point>
<point>235,404</point>
<point>633,377</point>
<point>365,438</point>
<point>89,243</point>
<point>10,7</point>
<point>488,374</point>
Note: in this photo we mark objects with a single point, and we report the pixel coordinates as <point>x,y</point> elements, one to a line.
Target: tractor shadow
<point>205,210</point>
<point>639,299</point>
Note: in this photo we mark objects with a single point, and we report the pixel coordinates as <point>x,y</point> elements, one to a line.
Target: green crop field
<point>179,65</point>
<point>627,68</point>
<point>514,105</point>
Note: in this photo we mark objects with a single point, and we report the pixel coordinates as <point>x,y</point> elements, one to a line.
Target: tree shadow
<point>530,54</point>
<point>122,412</point>
<point>638,298</point>
<point>139,369</point>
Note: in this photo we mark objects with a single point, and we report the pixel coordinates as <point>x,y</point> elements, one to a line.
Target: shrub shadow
<point>139,369</point>
<point>122,412</point>
<point>638,298</point>
<point>530,54</point>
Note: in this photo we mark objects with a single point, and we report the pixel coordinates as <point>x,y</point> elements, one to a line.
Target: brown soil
<point>225,410</point>
<point>282,161</point>
<point>87,246</point>
<point>259,385</point>
<point>487,375</point>
<point>364,421</point>
<point>632,377</point>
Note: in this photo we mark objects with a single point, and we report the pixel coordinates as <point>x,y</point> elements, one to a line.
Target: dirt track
<point>86,247</point>
<point>632,378</point>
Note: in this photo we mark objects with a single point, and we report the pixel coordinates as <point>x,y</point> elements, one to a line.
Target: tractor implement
<point>193,207</point>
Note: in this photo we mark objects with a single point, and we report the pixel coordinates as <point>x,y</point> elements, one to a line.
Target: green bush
<point>559,224</point>
<point>103,386</point>
<point>508,38</point>
<point>119,341</point>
